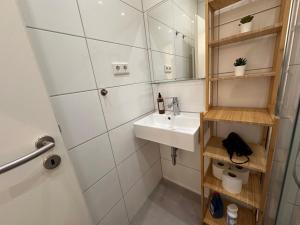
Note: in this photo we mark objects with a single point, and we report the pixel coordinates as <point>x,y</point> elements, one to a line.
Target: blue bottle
<point>216,206</point>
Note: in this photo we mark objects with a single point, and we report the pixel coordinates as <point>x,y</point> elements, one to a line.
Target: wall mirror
<point>175,32</point>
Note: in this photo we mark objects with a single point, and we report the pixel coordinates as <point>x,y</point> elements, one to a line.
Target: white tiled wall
<point>76,42</point>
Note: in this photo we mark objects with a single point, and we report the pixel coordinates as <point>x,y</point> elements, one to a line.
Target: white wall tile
<point>182,22</point>
<point>162,37</point>
<point>124,142</point>
<point>147,4</point>
<point>189,93</point>
<point>159,60</point>
<point>181,175</point>
<point>135,3</point>
<point>79,116</point>
<point>53,15</point>
<point>296,216</point>
<point>92,160</point>
<point>125,103</point>
<point>183,46</point>
<point>189,159</point>
<point>164,13</point>
<point>117,215</point>
<point>250,133</point>
<point>189,6</point>
<point>259,53</point>
<point>184,68</point>
<point>136,197</point>
<point>64,62</point>
<point>104,54</point>
<point>238,93</point>
<point>109,20</point>
<point>295,57</point>
<point>102,196</point>
<point>133,168</point>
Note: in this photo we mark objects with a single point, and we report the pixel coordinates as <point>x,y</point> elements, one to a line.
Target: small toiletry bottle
<point>160,104</point>
<point>232,214</point>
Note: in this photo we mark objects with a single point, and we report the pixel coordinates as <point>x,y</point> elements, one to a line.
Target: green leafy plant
<point>246,19</point>
<point>240,62</point>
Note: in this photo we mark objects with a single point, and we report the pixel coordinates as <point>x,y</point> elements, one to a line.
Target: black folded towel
<point>235,144</point>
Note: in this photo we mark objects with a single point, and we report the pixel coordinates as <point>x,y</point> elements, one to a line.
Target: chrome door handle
<point>42,145</point>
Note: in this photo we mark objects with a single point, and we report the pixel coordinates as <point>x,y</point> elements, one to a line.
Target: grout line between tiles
<point>86,37</point>
<point>131,6</point>
<point>132,153</point>
<point>173,28</point>
<point>97,223</point>
<point>181,164</point>
<point>143,175</point>
<point>104,117</point>
<point>99,88</point>
<point>170,54</point>
<point>99,179</point>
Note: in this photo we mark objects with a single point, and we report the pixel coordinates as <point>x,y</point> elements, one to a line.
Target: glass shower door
<point>289,208</point>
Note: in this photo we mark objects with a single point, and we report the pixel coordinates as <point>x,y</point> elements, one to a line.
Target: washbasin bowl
<point>180,131</point>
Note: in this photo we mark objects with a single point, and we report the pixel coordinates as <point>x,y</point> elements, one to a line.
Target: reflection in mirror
<point>174,27</point>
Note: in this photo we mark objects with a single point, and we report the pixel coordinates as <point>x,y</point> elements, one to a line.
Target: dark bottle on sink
<point>160,104</point>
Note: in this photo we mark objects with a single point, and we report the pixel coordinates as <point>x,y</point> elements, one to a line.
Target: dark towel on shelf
<point>235,144</point>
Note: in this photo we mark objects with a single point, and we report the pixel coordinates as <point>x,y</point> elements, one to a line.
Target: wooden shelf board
<point>242,115</point>
<point>245,216</point>
<point>219,4</point>
<point>214,149</point>
<point>217,77</point>
<point>251,192</point>
<point>247,35</point>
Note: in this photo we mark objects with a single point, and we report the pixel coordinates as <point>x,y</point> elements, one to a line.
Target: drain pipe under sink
<point>174,155</point>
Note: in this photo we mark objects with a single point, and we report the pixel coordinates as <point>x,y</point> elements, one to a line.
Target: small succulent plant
<point>240,62</point>
<point>246,19</point>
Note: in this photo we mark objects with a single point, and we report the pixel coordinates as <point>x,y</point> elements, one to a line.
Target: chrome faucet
<point>174,105</point>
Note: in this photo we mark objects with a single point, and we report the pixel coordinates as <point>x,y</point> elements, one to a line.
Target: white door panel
<point>30,194</point>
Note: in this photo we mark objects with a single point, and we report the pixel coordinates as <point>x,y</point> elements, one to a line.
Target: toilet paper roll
<point>218,168</point>
<point>242,172</point>
<point>231,182</point>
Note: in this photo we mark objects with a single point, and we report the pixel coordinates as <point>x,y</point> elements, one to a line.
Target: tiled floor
<point>169,204</point>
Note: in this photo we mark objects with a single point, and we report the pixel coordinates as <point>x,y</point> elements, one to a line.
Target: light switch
<point>120,68</point>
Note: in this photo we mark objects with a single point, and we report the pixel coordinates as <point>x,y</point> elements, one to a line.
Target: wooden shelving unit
<point>218,77</point>
<point>252,200</point>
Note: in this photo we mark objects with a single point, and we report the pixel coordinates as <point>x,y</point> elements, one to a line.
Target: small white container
<point>232,214</point>
<point>246,27</point>
<point>239,70</point>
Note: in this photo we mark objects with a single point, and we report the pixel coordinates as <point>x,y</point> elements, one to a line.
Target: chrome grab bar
<point>43,145</point>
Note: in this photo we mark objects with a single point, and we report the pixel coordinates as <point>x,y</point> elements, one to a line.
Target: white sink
<point>181,131</point>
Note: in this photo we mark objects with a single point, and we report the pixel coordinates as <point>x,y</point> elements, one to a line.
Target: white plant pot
<point>246,27</point>
<point>239,70</point>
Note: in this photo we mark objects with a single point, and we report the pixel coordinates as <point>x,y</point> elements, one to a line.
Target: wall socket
<point>120,68</point>
<point>168,68</point>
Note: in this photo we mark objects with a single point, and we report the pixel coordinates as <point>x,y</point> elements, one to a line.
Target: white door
<point>30,194</point>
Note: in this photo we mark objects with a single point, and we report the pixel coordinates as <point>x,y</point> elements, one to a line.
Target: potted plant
<point>246,23</point>
<point>240,66</point>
